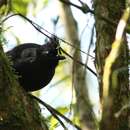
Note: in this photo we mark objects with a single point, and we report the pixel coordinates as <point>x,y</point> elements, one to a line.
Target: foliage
<point>53,123</point>
<point>22,5</point>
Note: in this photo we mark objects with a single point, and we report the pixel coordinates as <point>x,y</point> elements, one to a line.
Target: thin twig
<point>79,62</point>
<point>91,42</point>
<point>54,111</point>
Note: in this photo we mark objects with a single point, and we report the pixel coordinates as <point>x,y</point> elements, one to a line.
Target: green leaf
<point>20,6</point>
<point>63,110</point>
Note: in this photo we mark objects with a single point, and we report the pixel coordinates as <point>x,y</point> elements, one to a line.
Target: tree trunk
<point>84,107</point>
<point>17,110</point>
<point>118,92</point>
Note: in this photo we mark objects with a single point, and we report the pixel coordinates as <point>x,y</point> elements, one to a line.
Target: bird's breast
<point>36,75</point>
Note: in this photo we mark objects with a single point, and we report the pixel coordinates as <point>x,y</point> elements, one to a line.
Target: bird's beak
<point>60,57</point>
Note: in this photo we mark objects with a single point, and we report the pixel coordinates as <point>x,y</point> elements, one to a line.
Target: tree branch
<point>84,8</point>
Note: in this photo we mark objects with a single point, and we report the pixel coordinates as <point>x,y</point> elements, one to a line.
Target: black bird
<point>35,64</point>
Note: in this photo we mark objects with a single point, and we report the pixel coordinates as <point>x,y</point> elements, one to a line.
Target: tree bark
<point>118,93</point>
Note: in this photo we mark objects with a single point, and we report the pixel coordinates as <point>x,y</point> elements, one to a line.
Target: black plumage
<point>35,64</point>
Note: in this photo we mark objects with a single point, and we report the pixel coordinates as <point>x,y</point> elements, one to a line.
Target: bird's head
<point>52,49</point>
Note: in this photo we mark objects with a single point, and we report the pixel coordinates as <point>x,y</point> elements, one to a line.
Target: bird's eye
<point>45,52</point>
